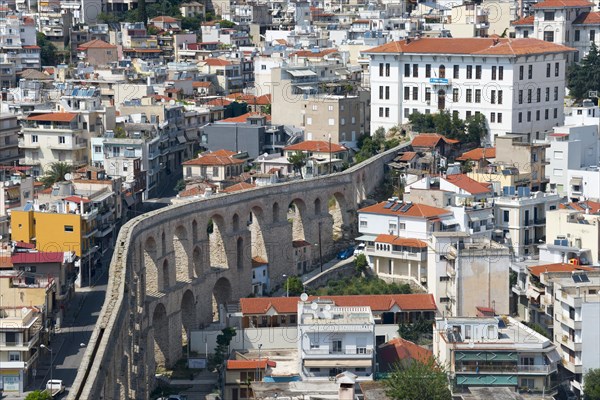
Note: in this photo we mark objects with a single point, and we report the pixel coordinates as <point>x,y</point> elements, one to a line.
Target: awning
<point>298,73</point>
<point>449,222</point>
<point>576,181</point>
<point>337,363</point>
<point>474,219</point>
<point>306,88</point>
<point>366,238</point>
<point>532,293</point>
<point>181,139</point>
<point>553,356</point>
<point>12,193</point>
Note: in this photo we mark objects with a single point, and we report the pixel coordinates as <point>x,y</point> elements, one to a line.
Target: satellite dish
<point>328,307</point>
<point>68,176</point>
<point>303,296</point>
<point>314,306</point>
<point>24,310</point>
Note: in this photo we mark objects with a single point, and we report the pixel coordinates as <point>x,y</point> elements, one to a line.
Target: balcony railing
<point>328,351</point>
<point>21,344</point>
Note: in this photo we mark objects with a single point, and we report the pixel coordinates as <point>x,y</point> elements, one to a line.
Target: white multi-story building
<point>464,274</point>
<point>18,42</point>
<point>517,84</point>
<point>333,339</point>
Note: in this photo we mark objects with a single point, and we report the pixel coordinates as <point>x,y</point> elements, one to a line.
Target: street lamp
<point>50,350</point>
<point>287,285</point>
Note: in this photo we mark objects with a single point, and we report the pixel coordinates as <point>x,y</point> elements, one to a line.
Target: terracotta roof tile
<point>6,262</point>
<point>320,146</point>
<point>258,261</point>
<point>477,46</point>
<point>164,18</point>
<point>588,18</point>
<point>311,54</point>
<point>592,206</point>
<point>467,184</point>
<point>478,154</point>
<point>263,100</point>
<point>223,152</point>
<point>407,156</point>
<point>36,257</point>
<point>77,199</point>
<point>430,140</point>
<point>238,187</point>
<point>400,241</point>
<point>216,62</point>
<point>399,349</point>
<point>562,4</point>
<point>300,243</point>
<point>211,160</point>
<point>219,102</point>
<point>378,303</point>
<point>250,364</point>
<point>524,21</point>
<point>244,117</point>
<point>53,117</point>
<point>559,267</point>
<point>96,44</point>
<point>416,210</point>
<point>198,190</point>
<point>201,84</point>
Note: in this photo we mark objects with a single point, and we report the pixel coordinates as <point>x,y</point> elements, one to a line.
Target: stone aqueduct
<point>169,274</point>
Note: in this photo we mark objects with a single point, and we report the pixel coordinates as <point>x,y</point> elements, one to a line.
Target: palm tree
<point>56,172</point>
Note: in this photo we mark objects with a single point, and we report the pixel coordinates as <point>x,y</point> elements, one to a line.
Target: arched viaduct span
<point>175,269</point>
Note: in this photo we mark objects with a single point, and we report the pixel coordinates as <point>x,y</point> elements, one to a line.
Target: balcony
<point>570,343</point>
<point>78,145</point>
<point>20,346</point>
<point>569,363</point>
<point>29,161</point>
<point>539,221</point>
<point>567,321</point>
<point>23,145</point>
<point>330,353</point>
<point>519,290</point>
<point>450,271</point>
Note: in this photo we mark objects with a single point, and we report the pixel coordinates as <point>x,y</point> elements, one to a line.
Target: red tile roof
<point>478,154</point>
<point>24,245</point>
<point>238,187</point>
<point>400,241</point>
<point>53,117</point>
<point>201,84</point>
<point>211,159</point>
<point>311,54</point>
<point>300,243</point>
<point>77,199</point>
<point>397,350</point>
<point>467,184</point>
<point>592,206</point>
<point>377,302</point>
<point>6,262</point>
<point>250,364</point>
<point>476,46</point>
<point>417,210</point>
<point>316,146</point>
<point>216,62</point>
<point>560,267</point>
<point>407,156</point>
<point>588,18</point>
<point>223,152</point>
<point>198,190</point>
<point>96,44</point>
<point>244,117</point>
<point>38,257</point>
<point>219,102</point>
<point>164,18</point>
<point>524,21</point>
<point>258,261</point>
<point>430,140</point>
<point>263,100</point>
<point>562,4</point>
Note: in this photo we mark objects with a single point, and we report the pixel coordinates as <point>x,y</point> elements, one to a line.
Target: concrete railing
<point>104,342</point>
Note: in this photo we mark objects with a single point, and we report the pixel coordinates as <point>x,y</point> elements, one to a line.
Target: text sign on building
<point>438,81</point>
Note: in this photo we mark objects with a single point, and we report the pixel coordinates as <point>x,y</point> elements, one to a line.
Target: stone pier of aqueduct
<point>174,269</point>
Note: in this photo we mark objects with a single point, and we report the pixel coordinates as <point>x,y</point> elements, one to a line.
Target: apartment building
<point>322,157</point>
<point>217,167</point>
<point>15,192</point>
<point>238,374</point>
<point>97,52</point>
<point>520,218</point>
<point>225,75</point>
<point>465,273</point>
<point>9,139</point>
<point>494,352</point>
<point>18,43</point>
<point>448,74</point>
<point>527,155</point>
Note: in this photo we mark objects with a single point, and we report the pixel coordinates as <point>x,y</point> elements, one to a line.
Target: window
<point>549,16</point>
<point>539,95</point>
<point>521,70</point>
<point>577,35</point>
<point>34,138</point>
<point>505,215</point>
<point>14,356</point>
<point>478,72</point>
<point>477,95</point>
<point>406,93</point>
<point>61,140</point>
<point>380,92</point>
<point>499,118</point>
<point>467,115</point>
<point>342,121</point>
<point>525,34</point>
<point>537,115</point>
<point>547,94</point>
<point>415,93</point>
<point>493,117</point>
<point>555,93</point>
<point>380,69</point>
<point>467,331</point>
<point>592,35</point>
<point>469,72</point>
<point>548,70</point>
<point>427,94</point>
<point>315,107</point>
<point>381,111</point>
<point>558,172</point>
<point>97,149</point>
<point>387,112</point>
<point>455,95</point>
<point>387,92</point>
<point>68,228</point>
<point>529,95</point>
<point>427,70</point>
<point>558,155</point>
<point>556,69</point>
<point>392,226</point>
<point>456,73</point>
<point>308,120</point>
<point>331,121</point>
<point>406,70</point>
<point>520,117</point>
<point>549,36</point>
<point>500,73</point>
<point>406,112</point>
<point>528,116</point>
<point>469,95</point>
<point>546,113</point>
<point>330,108</point>
<point>493,97</point>
<point>555,113</point>
<point>530,72</point>
<point>494,68</point>
<point>415,70</point>
<point>387,69</point>
<point>499,96</point>
<point>444,278</point>
<point>520,97</point>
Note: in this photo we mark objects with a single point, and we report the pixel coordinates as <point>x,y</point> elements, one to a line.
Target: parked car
<point>360,249</point>
<point>346,253</point>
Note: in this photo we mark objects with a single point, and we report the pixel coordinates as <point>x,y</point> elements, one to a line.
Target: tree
<point>217,360</point>
<point>297,160</point>
<point>591,388</point>
<point>360,263</point>
<point>47,50</point>
<point>38,395</point>
<point>585,76</point>
<point>414,331</point>
<point>180,185</point>
<point>55,173</point>
<point>476,128</point>
<point>418,380</point>
<point>293,285</point>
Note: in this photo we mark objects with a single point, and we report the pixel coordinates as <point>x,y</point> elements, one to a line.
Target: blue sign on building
<point>442,81</point>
